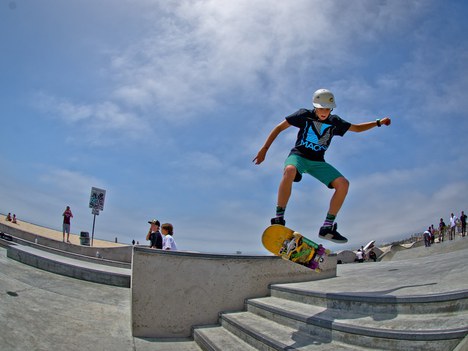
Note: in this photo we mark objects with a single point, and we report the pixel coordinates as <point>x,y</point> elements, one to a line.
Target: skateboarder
<point>316,130</point>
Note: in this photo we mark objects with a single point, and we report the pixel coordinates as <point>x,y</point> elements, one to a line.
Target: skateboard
<point>293,246</point>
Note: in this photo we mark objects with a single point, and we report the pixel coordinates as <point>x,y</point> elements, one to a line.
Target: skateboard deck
<point>294,247</point>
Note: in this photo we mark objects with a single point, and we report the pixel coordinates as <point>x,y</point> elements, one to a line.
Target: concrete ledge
<point>173,291</point>
<point>71,254</point>
<point>70,267</point>
<point>121,254</point>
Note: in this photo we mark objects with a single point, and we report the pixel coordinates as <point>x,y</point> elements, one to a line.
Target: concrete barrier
<point>121,254</point>
<point>58,264</point>
<point>173,290</point>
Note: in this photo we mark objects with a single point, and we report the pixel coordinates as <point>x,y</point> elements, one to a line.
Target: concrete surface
<point>50,233</point>
<point>70,267</point>
<point>44,311</point>
<point>440,268</point>
<point>49,312</point>
<point>193,288</point>
<point>53,239</point>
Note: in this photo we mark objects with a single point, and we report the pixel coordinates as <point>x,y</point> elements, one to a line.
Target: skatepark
<point>416,299</point>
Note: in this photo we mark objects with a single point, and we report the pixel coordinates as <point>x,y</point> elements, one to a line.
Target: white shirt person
<point>168,242</point>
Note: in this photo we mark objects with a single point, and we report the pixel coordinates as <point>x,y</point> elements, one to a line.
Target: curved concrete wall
<point>122,254</point>
<point>173,290</point>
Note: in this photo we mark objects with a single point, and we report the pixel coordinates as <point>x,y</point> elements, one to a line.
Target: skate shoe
<point>330,233</point>
<point>278,220</point>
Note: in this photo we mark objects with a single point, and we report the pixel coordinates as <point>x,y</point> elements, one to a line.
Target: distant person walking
<point>67,215</point>
<point>463,223</point>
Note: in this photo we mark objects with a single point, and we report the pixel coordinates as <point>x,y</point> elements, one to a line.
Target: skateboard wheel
<point>313,265</point>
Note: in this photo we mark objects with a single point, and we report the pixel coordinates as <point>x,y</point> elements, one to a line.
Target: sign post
<point>96,204</point>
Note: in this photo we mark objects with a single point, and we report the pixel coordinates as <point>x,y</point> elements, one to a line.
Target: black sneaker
<point>278,220</point>
<point>330,233</point>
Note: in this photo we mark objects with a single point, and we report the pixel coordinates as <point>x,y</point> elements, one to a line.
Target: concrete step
<point>387,331</point>
<point>266,334</point>
<point>217,338</point>
<point>376,302</point>
<point>70,254</point>
<point>70,267</point>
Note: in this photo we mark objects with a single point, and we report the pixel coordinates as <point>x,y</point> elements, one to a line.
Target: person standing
<point>360,256</point>
<point>463,223</point>
<point>442,228</point>
<point>453,226</point>
<point>154,235</point>
<point>169,242</point>
<point>67,215</point>
<point>427,237</point>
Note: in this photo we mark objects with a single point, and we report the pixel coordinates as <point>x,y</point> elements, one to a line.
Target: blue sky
<point>164,104</point>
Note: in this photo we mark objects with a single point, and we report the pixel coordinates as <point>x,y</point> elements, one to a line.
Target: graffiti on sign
<point>96,200</point>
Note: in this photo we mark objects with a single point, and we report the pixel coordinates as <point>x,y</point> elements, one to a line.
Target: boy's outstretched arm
<point>273,134</point>
<point>362,127</point>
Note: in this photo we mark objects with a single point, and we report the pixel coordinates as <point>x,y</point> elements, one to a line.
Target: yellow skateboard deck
<point>293,246</point>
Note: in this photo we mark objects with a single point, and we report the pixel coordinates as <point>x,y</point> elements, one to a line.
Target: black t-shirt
<point>156,240</point>
<point>314,135</point>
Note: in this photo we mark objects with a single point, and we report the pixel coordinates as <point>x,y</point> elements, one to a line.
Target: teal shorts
<point>322,171</point>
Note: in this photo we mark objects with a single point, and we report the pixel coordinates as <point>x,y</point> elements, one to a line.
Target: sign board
<point>96,200</point>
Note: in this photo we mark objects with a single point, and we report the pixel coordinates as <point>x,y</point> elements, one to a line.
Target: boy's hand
<point>386,121</point>
<point>260,156</point>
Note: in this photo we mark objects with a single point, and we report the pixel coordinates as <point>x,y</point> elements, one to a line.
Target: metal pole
<point>92,234</point>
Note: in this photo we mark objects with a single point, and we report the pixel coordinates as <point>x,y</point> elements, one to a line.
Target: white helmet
<point>323,98</point>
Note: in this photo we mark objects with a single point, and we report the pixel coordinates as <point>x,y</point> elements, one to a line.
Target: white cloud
<point>100,120</point>
<point>199,51</point>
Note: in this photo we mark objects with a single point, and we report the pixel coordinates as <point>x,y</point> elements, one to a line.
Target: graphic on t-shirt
<point>317,136</point>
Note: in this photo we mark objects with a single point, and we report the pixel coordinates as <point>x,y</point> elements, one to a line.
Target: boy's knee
<point>341,184</point>
<point>290,172</point>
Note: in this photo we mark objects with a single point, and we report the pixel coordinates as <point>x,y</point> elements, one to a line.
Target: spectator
<point>154,235</point>
<point>364,255</point>
<point>14,219</point>
<point>168,232</point>
<point>67,215</point>
<point>453,225</point>
<point>463,223</point>
<point>8,217</point>
<point>442,227</point>
<point>360,256</point>
<point>432,230</point>
<point>427,237</point>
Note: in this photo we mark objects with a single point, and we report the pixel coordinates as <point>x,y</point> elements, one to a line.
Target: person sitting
<point>8,217</point>
<point>14,219</point>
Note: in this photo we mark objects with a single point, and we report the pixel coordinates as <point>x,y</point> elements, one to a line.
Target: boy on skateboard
<point>316,130</point>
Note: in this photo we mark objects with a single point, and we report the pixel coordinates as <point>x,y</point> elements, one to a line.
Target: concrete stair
<point>61,263</point>
<point>297,319</point>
